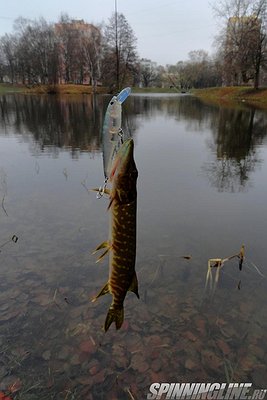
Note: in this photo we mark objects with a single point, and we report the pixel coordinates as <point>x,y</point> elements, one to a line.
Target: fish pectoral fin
<point>104,245</point>
<point>100,258</point>
<point>104,290</point>
<point>110,203</point>
<point>134,285</point>
<point>114,314</point>
<point>101,246</point>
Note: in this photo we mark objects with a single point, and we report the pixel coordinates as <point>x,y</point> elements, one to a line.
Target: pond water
<point>201,192</point>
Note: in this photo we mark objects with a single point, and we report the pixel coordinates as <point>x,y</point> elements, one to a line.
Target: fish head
<point>124,173</point>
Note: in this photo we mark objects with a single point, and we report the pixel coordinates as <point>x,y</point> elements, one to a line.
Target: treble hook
<point>101,190</point>
<point>121,133</point>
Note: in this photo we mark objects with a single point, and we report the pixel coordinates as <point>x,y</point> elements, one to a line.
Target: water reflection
<point>51,124</point>
<point>75,123</point>
<point>237,135</point>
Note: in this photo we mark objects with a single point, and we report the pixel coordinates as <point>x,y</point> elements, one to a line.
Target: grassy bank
<point>73,89</point>
<point>231,95</point>
<point>222,95</point>
<point>64,89</point>
<point>9,88</point>
<point>50,89</point>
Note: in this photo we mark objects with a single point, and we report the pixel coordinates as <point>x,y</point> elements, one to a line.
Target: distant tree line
<point>72,51</point>
<point>199,71</point>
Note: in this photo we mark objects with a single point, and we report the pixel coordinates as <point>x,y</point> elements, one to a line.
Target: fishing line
<point>130,135</point>
<point>3,207</point>
<point>256,268</point>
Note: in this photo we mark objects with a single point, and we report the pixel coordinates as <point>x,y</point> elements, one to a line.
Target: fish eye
<point>112,102</point>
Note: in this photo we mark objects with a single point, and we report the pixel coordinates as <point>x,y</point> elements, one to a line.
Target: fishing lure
<point>112,134</point>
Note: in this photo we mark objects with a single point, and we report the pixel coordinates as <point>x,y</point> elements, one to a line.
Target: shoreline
<point>231,96</point>
<point>51,89</point>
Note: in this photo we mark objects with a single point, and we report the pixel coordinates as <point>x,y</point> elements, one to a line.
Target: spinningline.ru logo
<point>209,391</point>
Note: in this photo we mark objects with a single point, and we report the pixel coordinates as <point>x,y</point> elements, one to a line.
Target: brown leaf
<point>15,387</point>
<point>211,360</point>
<point>87,346</point>
<point>139,364</point>
<point>191,365</point>
<point>201,325</point>
<point>99,377</point>
<point>190,336</point>
<point>85,380</point>
<point>223,346</point>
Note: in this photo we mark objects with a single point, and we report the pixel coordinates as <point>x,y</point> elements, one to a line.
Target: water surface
<point>201,192</point>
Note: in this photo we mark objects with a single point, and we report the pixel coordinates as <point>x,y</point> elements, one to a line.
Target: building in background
<point>79,49</point>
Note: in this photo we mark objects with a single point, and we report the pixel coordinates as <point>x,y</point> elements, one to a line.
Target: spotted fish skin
<point>122,235</point>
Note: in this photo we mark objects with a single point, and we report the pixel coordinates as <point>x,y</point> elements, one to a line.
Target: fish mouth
<point>123,158</point>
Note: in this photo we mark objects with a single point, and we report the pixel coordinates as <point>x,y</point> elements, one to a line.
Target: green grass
<point>73,89</point>
<point>64,89</point>
<point>50,89</point>
<point>9,88</point>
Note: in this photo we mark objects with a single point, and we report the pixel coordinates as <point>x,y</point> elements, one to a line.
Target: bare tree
<point>148,72</point>
<point>199,71</point>
<point>119,53</point>
<point>8,45</point>
<point>243,39</point>
<point>36,55</point>
<point>43,53</point>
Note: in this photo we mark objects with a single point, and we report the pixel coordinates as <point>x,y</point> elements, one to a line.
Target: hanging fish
<point>122,238</point>
<point>112,132</point>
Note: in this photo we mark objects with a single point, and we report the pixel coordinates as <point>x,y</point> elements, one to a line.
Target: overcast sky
<point>166,30</point>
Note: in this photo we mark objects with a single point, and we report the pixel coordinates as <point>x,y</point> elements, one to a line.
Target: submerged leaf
<point>186,257</point>
<point>15,387</point>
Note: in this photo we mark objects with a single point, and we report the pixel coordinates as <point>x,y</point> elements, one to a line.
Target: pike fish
<point>122,236</point>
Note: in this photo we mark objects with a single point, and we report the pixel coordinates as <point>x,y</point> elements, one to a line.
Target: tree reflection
<point>53,122</point>
<point>74,123</point>
<point>237,133</point>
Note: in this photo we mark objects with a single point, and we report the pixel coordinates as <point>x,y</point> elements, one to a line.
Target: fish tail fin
<point>114,314</point>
